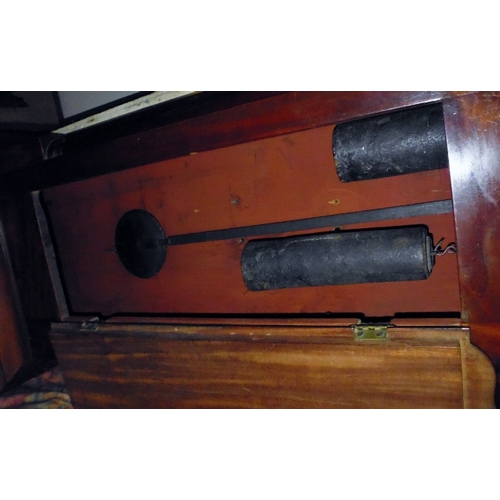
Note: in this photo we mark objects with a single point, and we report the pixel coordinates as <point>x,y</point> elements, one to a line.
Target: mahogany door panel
<point>117,368</point>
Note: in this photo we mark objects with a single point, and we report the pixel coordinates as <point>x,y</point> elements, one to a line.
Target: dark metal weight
<point>338,258</point>
<point>392,144</point>
<point>140,243</point>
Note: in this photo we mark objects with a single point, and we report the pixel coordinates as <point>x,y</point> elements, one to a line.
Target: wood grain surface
<point>155,367</point>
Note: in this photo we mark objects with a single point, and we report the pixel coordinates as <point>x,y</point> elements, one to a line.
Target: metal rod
<point>363,217</point>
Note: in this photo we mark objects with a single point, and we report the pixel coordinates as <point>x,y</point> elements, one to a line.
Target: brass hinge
<point>370,332</point>
<point>91,325</point>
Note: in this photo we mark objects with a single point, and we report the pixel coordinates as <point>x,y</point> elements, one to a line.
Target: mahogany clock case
<point>191,333</point>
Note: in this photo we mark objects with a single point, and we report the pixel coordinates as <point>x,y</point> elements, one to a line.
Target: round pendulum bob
<point>140,243</point>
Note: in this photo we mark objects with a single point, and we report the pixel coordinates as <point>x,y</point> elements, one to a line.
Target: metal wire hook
<point>450,248</point>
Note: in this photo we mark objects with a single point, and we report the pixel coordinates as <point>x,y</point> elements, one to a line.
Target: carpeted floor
<point>45,391</point>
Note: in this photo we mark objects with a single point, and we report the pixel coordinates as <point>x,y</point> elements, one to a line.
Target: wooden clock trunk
<point>193,335</point>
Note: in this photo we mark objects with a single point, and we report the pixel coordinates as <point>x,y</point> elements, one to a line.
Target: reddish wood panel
<point>473,134</point>
<point>284,178</point>
<point>123,370</point>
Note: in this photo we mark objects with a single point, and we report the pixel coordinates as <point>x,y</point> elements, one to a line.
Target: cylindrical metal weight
<point>393,144</point>
<point>338,258</point>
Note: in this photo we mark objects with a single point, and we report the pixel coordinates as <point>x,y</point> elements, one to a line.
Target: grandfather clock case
<point>265,250</point>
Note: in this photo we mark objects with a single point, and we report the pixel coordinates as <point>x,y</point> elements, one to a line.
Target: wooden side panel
<point>284,178</point>
<point>123,371</point>
<point>14,348</point>
<point>473,134</point>
<point>26,296</point>
<point>3,380</point>
<point>27,254</point>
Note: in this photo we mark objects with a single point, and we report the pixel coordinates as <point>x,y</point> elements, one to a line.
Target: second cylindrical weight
<point>338,258</point>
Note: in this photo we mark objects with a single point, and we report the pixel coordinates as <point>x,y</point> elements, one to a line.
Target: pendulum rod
<point>362,217</point>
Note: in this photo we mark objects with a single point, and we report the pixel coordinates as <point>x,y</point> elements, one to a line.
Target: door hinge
<point>91,325</point>
<point>370,332</point>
